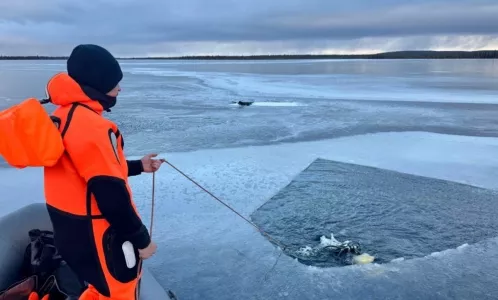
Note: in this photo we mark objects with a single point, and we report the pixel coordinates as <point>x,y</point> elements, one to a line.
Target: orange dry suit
<point>88,196</point>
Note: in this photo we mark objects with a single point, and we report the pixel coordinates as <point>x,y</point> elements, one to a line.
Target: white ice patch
<point>332,241</point>
<point>322,86</point>
<point>305,251</point>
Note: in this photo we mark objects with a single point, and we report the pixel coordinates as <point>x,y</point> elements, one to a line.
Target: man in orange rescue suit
<point>95,221</point>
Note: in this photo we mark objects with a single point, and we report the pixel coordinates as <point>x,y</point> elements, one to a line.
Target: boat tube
<point>14,239</point>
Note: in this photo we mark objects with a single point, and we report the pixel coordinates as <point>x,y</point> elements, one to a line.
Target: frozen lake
<point>435,118</point>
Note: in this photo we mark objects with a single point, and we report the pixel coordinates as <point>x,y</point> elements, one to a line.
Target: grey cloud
<point>153,25</point>
<point>33,12</point>
<point>428,19</point>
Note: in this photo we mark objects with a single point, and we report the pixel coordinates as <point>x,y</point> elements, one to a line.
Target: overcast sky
<point>187,27</point>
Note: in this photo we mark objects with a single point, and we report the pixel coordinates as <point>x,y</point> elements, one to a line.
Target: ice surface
<point>207,252</point>
<point>408,80</point>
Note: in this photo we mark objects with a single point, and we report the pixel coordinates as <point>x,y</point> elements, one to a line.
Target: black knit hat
<point>94,66</point>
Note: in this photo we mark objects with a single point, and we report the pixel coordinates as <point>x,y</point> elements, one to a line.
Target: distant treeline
<point>36,57</point>
<point>484,54</point>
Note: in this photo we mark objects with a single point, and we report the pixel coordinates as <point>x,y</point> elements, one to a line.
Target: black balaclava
<point>96,71</point>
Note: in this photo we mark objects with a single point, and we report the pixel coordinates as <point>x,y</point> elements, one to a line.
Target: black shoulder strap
<point>70,116</point>
<point>56,120</point>
<point>68,119</point>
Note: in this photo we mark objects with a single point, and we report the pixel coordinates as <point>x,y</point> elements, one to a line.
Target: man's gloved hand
<point>151,165</point>
<point>148,251</point>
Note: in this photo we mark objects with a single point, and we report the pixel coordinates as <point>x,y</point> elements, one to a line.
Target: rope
<point>279,244</point>
<point>274,265</point>
<point>171,294</point>
<point>152,204</point>
<point>282,246</point>
<point>153,200</point>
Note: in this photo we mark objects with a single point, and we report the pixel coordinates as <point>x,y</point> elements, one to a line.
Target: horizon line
<point>387,54</point>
